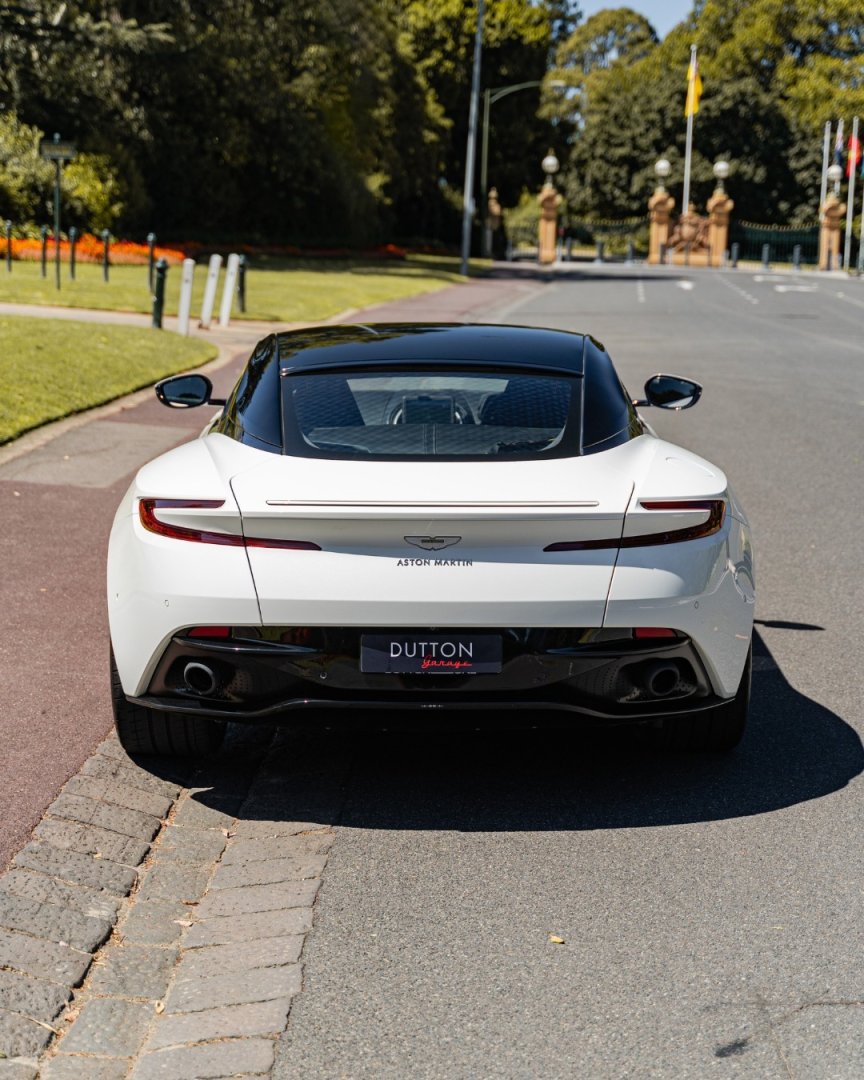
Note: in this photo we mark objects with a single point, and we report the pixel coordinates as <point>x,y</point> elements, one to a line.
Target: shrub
<point>92,192</point>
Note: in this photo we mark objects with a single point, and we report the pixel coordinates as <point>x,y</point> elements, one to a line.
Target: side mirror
<point>186,392</point>
<point>671,392</point>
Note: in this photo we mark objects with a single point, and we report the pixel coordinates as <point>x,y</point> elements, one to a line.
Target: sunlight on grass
<point>52,369</point>
<point>276,289</point>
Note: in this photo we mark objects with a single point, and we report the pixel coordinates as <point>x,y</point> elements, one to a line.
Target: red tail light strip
<point>147,512</point>
<point>716,509</point>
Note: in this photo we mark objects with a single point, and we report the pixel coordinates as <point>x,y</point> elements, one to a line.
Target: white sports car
<point>428,517</point>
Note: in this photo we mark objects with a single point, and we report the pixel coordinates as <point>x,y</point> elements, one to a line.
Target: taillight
<point>654,632</point>
<point>147,513</point>
<point>716,509</point>
<point>209,632</point>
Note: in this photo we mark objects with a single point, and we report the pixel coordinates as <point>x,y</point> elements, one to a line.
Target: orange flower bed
<point>88,249</point>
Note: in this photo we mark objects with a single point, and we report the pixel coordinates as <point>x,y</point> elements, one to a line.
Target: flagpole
<point>688,150</point>
<point>861,233</point>
<point>826,150</point>
<point>850,202</point>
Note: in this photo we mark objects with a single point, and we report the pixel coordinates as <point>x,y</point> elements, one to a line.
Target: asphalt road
<point>711,910</point>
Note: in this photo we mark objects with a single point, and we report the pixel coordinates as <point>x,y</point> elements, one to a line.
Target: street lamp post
<point>490,96</point>
<point>468,193</point>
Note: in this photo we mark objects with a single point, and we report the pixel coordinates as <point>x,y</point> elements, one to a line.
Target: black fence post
<point>159,293</point>
<point>796,256</point>
<point>241,282</point>
<point>106,241</point>
<point>151,258</point>
<point>735,251</point>
<point>766,256</point>
<point>73,240</point>
<point>43,233</point>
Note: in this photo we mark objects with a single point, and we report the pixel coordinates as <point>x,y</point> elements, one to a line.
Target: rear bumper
<point>600,675</point>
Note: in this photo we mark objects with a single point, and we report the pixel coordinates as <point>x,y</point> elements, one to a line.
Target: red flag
<point>853,155</point>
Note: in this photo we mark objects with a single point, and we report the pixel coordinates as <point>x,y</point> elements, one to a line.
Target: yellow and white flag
<point>694,88</point>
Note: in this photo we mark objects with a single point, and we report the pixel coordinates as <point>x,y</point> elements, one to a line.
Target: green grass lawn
<point>276,289</point>
<point>51,369</point>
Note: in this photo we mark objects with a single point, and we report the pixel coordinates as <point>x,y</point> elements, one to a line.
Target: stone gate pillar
<point>659,208</point>
<point>492,224</point>
<point>719,208</point>
<point>549,200</point>
<point>833,212</point>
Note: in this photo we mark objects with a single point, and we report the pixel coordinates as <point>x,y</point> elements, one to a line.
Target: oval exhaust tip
<point>199,678</point>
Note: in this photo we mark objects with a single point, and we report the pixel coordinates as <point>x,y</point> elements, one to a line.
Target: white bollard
<point>185,296</point>
<point>210,291</point>
<point>229,289</point>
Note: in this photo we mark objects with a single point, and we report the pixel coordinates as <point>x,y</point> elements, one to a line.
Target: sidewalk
<point>160,912</point>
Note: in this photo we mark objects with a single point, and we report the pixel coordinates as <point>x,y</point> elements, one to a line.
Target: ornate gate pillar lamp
<point>659,208</point>
<point>719,208</point>
<point>832,212</point>
<point>549,200</point>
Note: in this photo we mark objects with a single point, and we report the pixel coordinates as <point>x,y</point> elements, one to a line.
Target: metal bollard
<point>736,249</point>
<point>73,240</point>
<point>686,254</point>
<point>796,257</point>
<point>8,246</point>
<point>829,260</point>
<point>241,283</point>
<point>159,293</point>
<point>601,248</point>
<point>106,240</point>
<point>569,249</point>
<point>151,258</point>
<point>766,256</point>
<point>631,252</point>
<point>43,232</point>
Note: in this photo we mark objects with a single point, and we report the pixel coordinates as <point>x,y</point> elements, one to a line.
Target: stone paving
<point>154,926</point>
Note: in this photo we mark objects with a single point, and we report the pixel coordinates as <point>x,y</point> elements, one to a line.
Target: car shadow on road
<point>794,750</point>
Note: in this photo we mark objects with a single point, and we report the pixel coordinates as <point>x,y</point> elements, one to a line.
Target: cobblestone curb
<point>198,975</point>
<point>63,894</point>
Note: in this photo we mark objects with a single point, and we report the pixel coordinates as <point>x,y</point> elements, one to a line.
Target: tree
<point>767,67</point>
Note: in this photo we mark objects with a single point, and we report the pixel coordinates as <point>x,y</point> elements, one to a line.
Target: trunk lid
<point>432,543</point>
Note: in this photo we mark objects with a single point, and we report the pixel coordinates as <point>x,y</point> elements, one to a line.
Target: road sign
<point>57,149</point>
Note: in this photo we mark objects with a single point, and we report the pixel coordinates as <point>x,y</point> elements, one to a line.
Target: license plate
<point>430,654</point>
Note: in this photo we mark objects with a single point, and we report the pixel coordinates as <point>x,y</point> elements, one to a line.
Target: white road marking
<point>767,277</point>
<point>685,285</point>
<point>737,288</point>
<point>795,288</point>
<point>640,290</point>
<point>848,299</point>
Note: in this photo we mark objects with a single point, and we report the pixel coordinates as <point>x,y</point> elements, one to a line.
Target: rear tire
<point>152,731</point>
<point>717,731</point>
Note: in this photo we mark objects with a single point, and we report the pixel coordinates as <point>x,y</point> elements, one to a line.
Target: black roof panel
<point>377,343</point>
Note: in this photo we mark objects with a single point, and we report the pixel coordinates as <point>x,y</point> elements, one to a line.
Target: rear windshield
<point>434,414</point>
